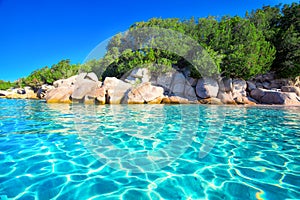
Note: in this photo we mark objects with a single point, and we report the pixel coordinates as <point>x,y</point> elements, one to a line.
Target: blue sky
<point>38,33</point>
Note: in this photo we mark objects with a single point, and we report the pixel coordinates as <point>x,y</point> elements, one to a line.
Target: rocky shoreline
<point>175,87</point>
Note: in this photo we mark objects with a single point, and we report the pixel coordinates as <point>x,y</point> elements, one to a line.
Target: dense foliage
<point>281,27</point>
<point>46,75</point>
<point>265,39</point>
<point>4,85</point>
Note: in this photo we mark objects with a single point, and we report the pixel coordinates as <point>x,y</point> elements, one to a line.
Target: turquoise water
<point>57,151</point>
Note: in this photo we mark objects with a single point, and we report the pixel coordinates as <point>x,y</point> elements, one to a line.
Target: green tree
<point>246,52</point>
<point>287,42</point>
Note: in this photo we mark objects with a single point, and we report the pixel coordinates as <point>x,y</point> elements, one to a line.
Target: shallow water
<point>57,151</point>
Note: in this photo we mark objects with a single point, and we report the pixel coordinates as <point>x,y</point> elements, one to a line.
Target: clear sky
<point>38,33</point>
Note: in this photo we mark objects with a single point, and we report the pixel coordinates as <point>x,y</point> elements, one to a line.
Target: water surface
<point>57,151</point>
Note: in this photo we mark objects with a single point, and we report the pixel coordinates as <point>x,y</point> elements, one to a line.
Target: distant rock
<point>20,93</point>
<point>275,97</point>
<point>207,88</point>
<point>291,89</point>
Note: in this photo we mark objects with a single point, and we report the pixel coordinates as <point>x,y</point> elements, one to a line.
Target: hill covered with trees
<point>267,39</point>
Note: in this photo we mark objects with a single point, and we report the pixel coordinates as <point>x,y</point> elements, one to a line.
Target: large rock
<point>207,88</point>
<point>257,94</point>
<point>192,81</point>
<point>80,76</point>
<point>226,98</point>
<point>275,97</point>
<point>20,91</point>
<point>3,93</point>
<point>42,91</point>
<point>181,87</point>
<point>116,90</point>
<point>91,76</point>
<point>69,82</point>
<point>21,96</point>
<point>100,94</point>
<point>145,93</point>
<point>59,95</point>
<point>138,75</point>
<point>165,79</point>
<point>250,86</point>
<point>291,89</point>
<point>82,88</point>
<point>96,96</point>
<point>239,87</point>
<point>225,85</point>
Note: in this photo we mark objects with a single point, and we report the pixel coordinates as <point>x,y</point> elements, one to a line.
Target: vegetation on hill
<point>265,39</point>
<point>4,85</point>
<point>46,75</point>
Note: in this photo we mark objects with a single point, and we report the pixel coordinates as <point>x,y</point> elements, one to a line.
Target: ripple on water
<point>88,152</point>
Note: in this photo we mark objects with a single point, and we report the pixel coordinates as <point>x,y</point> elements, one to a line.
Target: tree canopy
<point>266,39</point>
